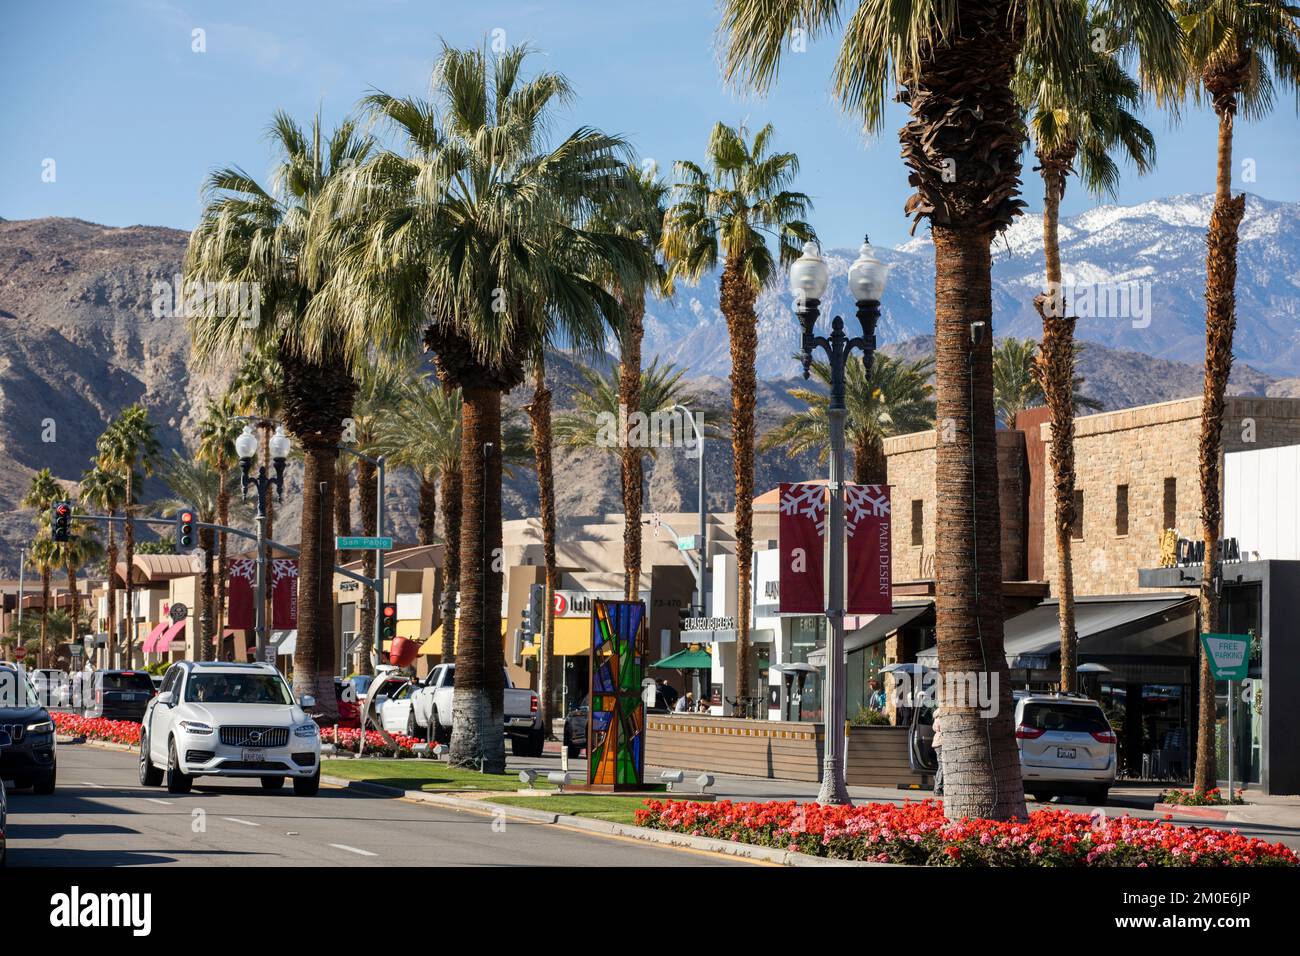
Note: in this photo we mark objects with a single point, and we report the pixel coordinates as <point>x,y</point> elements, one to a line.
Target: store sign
<point>580,603</point>
<point>694,624</point>
<point>1176,552</point>
<point>1228,654</point>
<point>868,524</point>
<point>802,531</point>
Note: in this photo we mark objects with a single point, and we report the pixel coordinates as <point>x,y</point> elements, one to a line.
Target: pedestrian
<point>876,701</point>
<point>683,704</point>
<point>669,692</point>
<point>937,743</point>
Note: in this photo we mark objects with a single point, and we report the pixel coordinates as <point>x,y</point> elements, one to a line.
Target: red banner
<point>239,593</point>
<point>284,594</point>
<point>869,529</point>
<point>802,529</point>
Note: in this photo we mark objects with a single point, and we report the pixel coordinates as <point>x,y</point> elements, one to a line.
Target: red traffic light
<point>186,516</point>
<point>389,610</point>
<point>61,510</point>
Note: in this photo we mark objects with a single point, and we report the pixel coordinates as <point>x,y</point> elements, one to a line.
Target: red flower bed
<point>919,834</point>
<point>349,739</point>
<point>97,728</point>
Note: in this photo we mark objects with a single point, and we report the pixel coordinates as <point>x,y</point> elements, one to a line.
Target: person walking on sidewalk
<point>937,743</point>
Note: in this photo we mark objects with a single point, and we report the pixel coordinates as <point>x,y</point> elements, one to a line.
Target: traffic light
<point>60,520</point>
<point>387,623</point>
<point>184,529</point>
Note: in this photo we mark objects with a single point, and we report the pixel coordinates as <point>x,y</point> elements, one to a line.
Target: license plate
<point>252,756</point>
<point>1064,753</point>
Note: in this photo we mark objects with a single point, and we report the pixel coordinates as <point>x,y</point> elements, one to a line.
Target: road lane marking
<point>89,783</point>
<point>352,849</point>
<point>165,803</point>
<point>247,823</point>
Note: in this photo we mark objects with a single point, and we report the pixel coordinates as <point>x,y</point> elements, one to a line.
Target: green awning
<point>688,659</point>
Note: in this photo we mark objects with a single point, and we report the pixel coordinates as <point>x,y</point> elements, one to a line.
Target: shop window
<point>1076,530</point>
<point>918,522</point>
<point>1171,503</point>
<point>1121,510</point>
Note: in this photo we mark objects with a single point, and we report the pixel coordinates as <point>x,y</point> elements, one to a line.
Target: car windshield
<point>236,689</point>
<point>1065,718</point>
<point>361,683</point>
<point>127,680</point>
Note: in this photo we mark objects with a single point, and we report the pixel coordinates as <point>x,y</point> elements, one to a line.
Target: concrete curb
<point>663,837</point>
<point>1198,813</point>
<point>102,744</point>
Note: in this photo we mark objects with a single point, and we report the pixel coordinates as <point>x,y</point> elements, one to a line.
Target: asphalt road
<point>101,816</point>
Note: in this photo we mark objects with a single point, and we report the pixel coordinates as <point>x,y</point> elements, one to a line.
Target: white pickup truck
<point>431,707</point>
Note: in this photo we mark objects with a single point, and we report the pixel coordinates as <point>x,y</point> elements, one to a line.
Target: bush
<point>1211,797</point>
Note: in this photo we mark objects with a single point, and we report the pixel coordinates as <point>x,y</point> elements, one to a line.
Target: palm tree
<point>1018,380</point>
<point>728,211</point>
<point>217,433</point>
<point>598,401</point>
<point>104,489</point>
<point>129,444</point>
<point>894,398</point>
<point>952,65</point>
<point>1066,131</point>
<point>463,246</point>
<point>1238,53</point>
<point>250,234</point>
<point>43,491</point>
<point>197,484</point>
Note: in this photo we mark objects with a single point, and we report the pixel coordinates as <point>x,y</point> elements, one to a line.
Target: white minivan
<point>214,719</point>
<point>1067,746</point>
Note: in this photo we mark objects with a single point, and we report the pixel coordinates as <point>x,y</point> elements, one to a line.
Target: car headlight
<point>194,727</point>
<point>43,727</point>
<point>306,730</point>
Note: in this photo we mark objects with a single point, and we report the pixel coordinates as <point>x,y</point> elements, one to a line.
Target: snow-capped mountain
<point>1135,275</point>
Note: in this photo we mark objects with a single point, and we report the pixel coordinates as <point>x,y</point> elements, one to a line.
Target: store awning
<point>693,658</point>
<point>434,644</point>
<point>284,642</point>
<point>572,638</point>
<point>1132,624</point>
<point>164,642</point>
<point>153,636</point>
<point>876,630</point>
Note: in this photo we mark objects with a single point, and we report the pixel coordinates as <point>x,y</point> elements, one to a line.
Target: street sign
<point>694,624</point>
<point>1228,654</point>
<point>363,543</point>
<point>688,542</point>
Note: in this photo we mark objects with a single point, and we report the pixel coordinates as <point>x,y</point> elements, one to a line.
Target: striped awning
<point>164,642</point>
<point>156,633</point>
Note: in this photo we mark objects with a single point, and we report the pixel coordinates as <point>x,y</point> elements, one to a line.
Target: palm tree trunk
<point>206,617</point>
<point>1056,364</point>
<point>870,464</point>
<point>980,758</point>
<point>219,592</point>
<point>742,327</point>
<point>477,708</point>
<point>629,389</point>
<point>313,657</point>
<point>451,510</point>
<point>110,647</point>
<point>128,533</point>
<point>342,506</point>
<point>45,614</point>
<point>539,413</point>
<point>367,498</point>
<point>1220,323</point>
<point>427,520</point>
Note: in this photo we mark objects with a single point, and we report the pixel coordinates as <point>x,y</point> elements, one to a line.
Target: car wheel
<point>150,776</point>
<point>1100,796</point>
<point>1043,796</point>
<point>441,734</point>
<point>412,729</point>
<point>536,743</point>
<point>177,782</point>
<point>519,746</point>
<point>45,785</point>
<point>575,751</point>
<point>307,786</point>
<point>272,783</point>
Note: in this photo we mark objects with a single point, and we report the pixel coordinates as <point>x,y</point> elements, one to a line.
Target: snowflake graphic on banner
<point>861,501</point>
<point>282,568</point>
<point>245,568</point>
<point>806,500</point>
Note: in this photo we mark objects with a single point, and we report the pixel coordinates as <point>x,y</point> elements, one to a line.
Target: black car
<point>120,695</point>
<point>28,759</point>
<point>5,741</point>
<point>575,721</point>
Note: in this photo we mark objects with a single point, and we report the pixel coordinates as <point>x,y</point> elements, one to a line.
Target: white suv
<point>1066,746</point>
<point>228,720</point>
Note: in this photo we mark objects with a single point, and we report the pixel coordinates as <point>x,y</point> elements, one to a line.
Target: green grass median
<point>426,775</point>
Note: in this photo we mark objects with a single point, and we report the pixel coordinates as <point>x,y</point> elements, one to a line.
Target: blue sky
<point>112,92</point>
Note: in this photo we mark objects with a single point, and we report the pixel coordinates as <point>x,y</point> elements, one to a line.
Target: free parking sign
<point>1229,655</point>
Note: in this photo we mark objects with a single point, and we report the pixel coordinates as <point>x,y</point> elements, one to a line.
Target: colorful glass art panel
<point>616,730</point>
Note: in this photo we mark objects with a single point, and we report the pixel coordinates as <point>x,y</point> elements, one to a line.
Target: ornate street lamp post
<point>246,449</point>
<point>808,279</point>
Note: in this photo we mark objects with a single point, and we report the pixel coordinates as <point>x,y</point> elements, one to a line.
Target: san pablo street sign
<point>363,544</point>
<point>1229,655</point>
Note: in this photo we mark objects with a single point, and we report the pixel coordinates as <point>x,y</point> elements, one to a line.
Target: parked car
<point>1066,746</point>
<point>228,720</point>
<point>380,690</point>
<point>398,715</point>
<point>30,758</point>
<point>431,707</point>
<point>120,695</point>
<point>5,741</point>
<point>575,721</point>
<point>346,698</point>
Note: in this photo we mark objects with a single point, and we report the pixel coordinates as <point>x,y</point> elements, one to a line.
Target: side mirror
<point>166,697</point>
<point>307,701</point>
